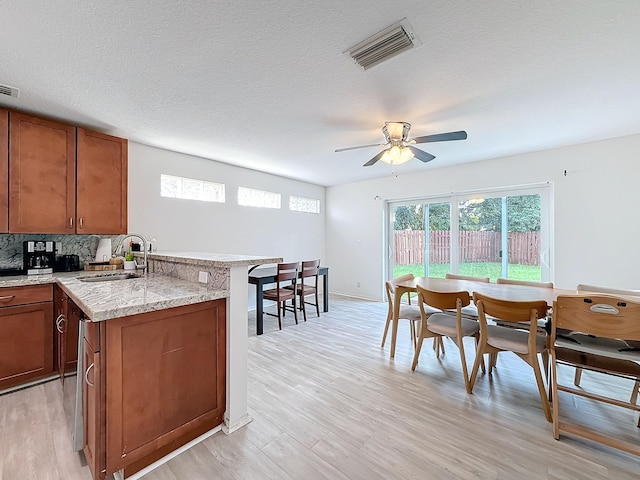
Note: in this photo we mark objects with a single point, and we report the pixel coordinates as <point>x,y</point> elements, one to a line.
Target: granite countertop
<point>112,299</point>
<point>119,298</point>
<point>213,259</point>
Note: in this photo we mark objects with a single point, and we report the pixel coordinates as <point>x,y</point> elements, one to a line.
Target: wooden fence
<point>524,247</point>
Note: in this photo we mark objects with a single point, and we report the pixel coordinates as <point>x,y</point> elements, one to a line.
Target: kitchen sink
<point>109,277</point>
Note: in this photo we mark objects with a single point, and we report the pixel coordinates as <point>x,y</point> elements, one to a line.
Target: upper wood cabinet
<point>4,171</point>
<point>102,183</point>
<point>63,179</point>
<point>42,175</point>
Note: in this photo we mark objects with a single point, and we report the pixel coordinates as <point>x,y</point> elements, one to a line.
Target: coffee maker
<point>39,256</point>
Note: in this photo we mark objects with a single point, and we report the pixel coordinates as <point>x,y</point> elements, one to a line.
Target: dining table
<point>503,291</point>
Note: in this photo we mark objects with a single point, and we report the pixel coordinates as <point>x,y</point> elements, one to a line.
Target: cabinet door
<point>4,171</point>
<point>26,343</point>
<point>60,304</point>
<point>42,175</point>
<point>91,410</point>
<point>71,327</point>
<point>102,183</point>
<point>165,375</point>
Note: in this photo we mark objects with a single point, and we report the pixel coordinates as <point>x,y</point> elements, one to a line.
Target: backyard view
<point>496,237</point>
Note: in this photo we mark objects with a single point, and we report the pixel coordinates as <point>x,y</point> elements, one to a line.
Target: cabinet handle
<point>70,222</point>
<point>7,298</point>
<point>86,375</point>
<point>80,222</point>
<point>59,321</point>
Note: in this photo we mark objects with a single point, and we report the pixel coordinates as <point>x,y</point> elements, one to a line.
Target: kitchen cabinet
<point>92,402</point>
<point>42,175</point>
<point>153,382</point>
<point>101,183</point>
<point>63,179</point>
<point>67,323</point>
<point>26,343</point>
<point>4,170</point>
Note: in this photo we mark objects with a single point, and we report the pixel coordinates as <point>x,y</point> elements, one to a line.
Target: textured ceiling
<point>265,85</point>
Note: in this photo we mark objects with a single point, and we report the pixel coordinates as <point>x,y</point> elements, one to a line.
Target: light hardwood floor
<point>329,403</point>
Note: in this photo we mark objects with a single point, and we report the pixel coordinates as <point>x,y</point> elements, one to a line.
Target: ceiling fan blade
<point>421,155</point>
<point>374,159</point>
<point>442,137</point>
<point>360,146</point>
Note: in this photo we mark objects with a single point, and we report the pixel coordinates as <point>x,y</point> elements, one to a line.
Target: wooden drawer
<point>12,296</point>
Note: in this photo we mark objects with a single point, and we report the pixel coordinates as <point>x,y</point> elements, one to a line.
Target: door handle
<point>7,298</point>
<point>86,375</point>
<point>59,321</point>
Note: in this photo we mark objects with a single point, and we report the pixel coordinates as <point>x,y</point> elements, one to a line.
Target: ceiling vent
<point>9,91</point>
<point>383,45</point>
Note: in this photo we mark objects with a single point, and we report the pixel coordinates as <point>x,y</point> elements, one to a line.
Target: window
<point>191,189</point>
<point>484,234</point>
<point>249,197</point>
<point>302,204</point>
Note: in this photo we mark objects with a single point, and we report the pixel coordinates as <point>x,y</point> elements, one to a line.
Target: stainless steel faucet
<point>144,248</point>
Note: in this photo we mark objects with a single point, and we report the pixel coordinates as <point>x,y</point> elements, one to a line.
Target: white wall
<point>595,222</point>
<point>188,225</point>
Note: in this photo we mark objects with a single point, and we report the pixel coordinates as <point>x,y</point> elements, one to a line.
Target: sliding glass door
<point>492,234</point>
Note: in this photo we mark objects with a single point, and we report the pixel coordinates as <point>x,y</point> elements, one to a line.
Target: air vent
<point>383,45</point>
<point>9,91</point>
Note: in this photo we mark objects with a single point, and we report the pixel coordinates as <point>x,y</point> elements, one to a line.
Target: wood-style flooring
<point>328,403</point>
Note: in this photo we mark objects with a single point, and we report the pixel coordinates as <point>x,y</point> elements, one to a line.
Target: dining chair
<point>525,344</point>
<point>407,312</point>
<point>470,311</point>
<point>440,324</point>
<point>585,288</point>
<point>310,271</point>
<point>286,272</point>
<point>542,322</point>
<point>602,321</point>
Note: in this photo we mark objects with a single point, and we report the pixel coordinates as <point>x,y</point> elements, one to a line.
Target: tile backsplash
<point>82,245</point>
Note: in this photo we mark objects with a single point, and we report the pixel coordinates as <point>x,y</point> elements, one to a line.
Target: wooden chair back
<point>466,277</point>
<point>310,268</point>
<point>510,281</point>
<point>597,315</point>
<point>287,271</point>
<point>390,286</point>
<point>508,310</point>
<point>443,300</point>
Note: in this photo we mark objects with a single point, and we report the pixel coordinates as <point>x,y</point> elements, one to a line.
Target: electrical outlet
<point>358,284</point>
<point>203,277</point>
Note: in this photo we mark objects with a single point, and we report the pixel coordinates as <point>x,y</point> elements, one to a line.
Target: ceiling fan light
<point>396,155</point>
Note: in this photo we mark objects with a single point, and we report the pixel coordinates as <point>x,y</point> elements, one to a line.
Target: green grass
<point>485,269</point>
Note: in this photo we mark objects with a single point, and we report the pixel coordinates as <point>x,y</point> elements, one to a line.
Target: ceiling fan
<point>399,149</point>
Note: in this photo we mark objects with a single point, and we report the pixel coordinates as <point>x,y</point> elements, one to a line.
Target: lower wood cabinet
<point>93,402</point>
<point>26,342</point>
<point>158,381</point>
<point>66,331</point>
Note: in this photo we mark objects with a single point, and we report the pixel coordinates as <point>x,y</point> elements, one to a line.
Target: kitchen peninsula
<point>164,358</point>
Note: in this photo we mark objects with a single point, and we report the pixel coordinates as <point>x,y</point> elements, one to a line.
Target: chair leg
<point>412,325</point>
<point>477,340</point>
<point>304,308</point>
<point>279,317</point>
<point>463,362</point>
<point>386,329</point>
<point>577,377</point>
<point>541,389</point>
<point>555,415</point>
<point>295,310</point>
<point>414,364</point>
<point>476,365</point>
<point>634,393</point>
<point>317,303</point>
